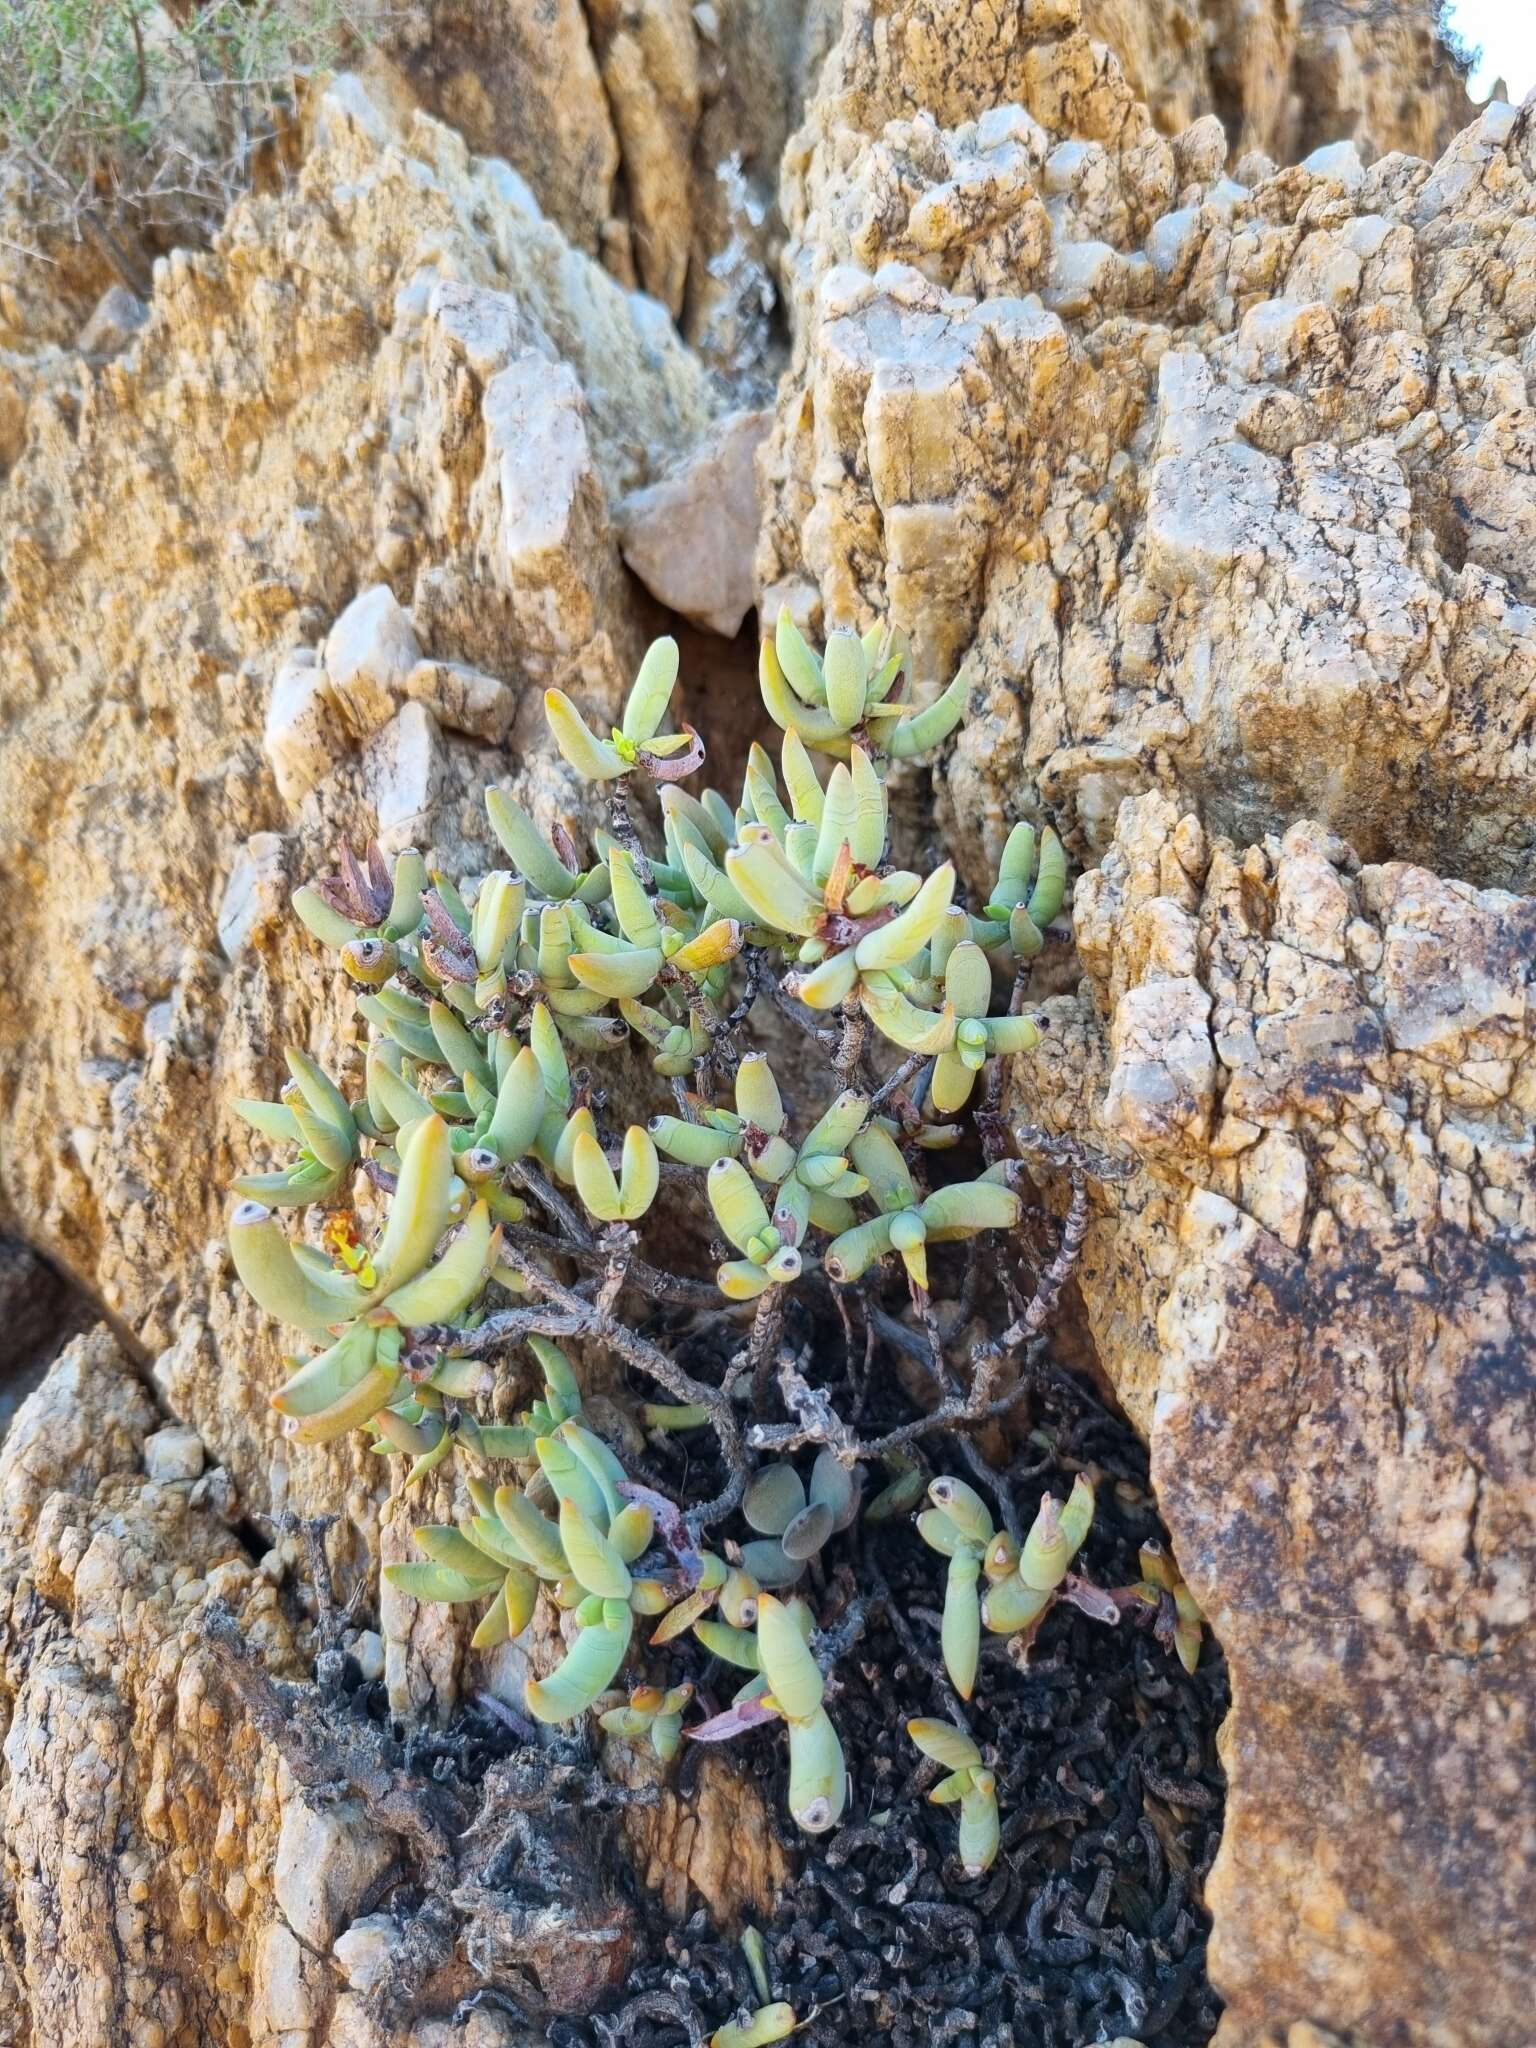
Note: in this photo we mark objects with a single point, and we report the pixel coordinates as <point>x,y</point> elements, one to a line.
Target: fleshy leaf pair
<point>637,741</point>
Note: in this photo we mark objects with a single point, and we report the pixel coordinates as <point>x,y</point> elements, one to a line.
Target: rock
<point>173,1453</point>
<point>368,1649</point>
<point>1189,528</point>
<point>86,1421</point>
<point>326,1861</point>
<point>1315,1297</point>
<point>368,654</point>
<point>256,894</point>
<point>131,1798</point>
<point>464,700</point>
<point>141,1790</point>
<point>303,736</point>
<point>542,511</point>
<point>116,320</point>
<point>524,88</point>
<point>405,770</point>
<point>1370,1577</point>
<point>1253,417</point>
<point>690,538</point>
<point>1339,161</point>
<point>1288,78</point>
<point>39,1314</point>
<point>714,1844</point>
<point>286,1994</point>
<point>649,61</point>
<point>365,1950</point>
<point>651,136</point>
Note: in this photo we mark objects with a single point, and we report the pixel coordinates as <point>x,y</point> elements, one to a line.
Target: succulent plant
<point>1022,1582</point>
<point>757,2029</point>
<point>651,1716</point>
<point>794,1521</point>
<point>1021,1590</point>
<point>368,905</point>
<point>818,1776</point>
<point>479,1162</point>
<point>1031,885</point>
<point>1162,1585</point>
<point>315,1116</point>
<point>851,691</point>
<point>812,1184</point>
<point>977,1037</point>
<point>509,1547</point>
<point>901,1492</point>
<point>906,1223</point>
<point>969,1784</point>
<point>637,742</point>
<point>367,1304</point>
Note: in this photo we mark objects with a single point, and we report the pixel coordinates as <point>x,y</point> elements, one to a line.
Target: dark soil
<point>1091,1923</point>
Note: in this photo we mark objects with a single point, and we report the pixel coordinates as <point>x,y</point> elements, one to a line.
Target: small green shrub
<point>135,124</point>
<point>479,1125</point>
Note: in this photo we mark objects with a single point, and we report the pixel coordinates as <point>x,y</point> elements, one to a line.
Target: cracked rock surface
<point>1222,482</point>
<point>1315,1297</point>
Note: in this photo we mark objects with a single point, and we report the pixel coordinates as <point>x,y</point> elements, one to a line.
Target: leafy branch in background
<point>135,125</point>
<point>502,1212</point>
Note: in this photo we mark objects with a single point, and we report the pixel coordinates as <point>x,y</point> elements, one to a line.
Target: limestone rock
<point>367,656</point>
<point>1174,461</point>
<point>691,536</point>
<point>525,87</point>
<point>173,1453</point>
<point>1380,75</point>
<point>397,344</point>
<point>115,320</point>
<point>87,1421</point>
<point>1315,1298</point>
<point>648,58</point>
<point>325,1863</point>
<point>1344,1453</point>
<point>650,134</point>
<point>1290,74</point>
<point>39,1313</point>
<point>131,1799</point>
<point>714,1844</point>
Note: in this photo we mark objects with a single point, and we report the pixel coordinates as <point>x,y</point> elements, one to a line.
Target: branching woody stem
<point>637,1274</point>
<point>589,1320</point>
<point>532,1182</point>
<point>624,831</point>
<point>763,1347</point>
<point>850,1051</point>
<point>956,1410</point>
<point>894,1083</point>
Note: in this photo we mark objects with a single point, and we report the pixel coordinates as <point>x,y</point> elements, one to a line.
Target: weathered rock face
<point>1182,461</point>
<point>1285,76</point>
<point>39,1313</point>
<point>1316,1297</point>
<point>132,1799</point>
<point>1217,475</point>
<point>650,134</point>
<point>360,393</point>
